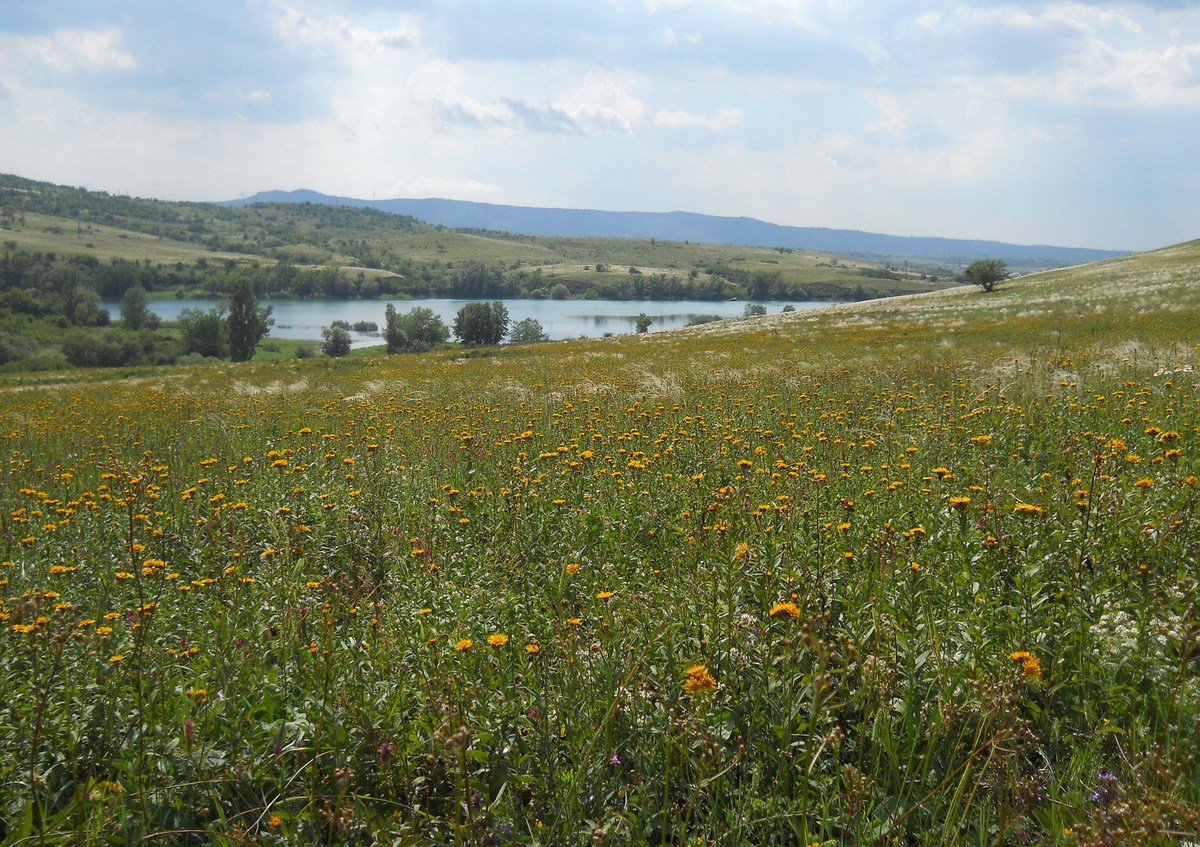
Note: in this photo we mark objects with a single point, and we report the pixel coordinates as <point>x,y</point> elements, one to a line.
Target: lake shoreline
<point>560,319</point>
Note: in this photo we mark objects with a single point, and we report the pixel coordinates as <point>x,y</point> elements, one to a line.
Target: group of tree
<point>415,331</point>
<point>233,332</point>
<point>421,329</point>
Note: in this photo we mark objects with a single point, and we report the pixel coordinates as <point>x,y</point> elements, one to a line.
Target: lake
<point>560,319</point>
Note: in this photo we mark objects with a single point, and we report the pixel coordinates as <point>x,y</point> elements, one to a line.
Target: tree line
<point>421,329</point>
<point>41,274</point>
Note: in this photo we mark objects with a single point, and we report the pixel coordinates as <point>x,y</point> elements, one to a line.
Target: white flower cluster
<point>1115,635</point>
<point>1155,646</point>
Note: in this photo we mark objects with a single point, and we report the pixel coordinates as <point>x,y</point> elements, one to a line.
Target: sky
<point>1065,123</point>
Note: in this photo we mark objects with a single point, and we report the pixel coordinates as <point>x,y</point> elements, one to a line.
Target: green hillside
<point>67,250</point>
<point>44,217</point>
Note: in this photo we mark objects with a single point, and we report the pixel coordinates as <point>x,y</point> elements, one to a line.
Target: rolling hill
<point>688,226</point>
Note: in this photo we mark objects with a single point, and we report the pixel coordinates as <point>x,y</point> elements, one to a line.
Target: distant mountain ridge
<point>690,226</point>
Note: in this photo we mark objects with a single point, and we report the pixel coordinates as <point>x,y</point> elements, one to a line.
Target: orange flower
<point>1031,666</point>
<point>785,608</point>
<point>699,680</point>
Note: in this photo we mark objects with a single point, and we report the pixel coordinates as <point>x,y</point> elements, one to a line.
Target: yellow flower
<point>1031,666</point>
<point>604,595</point>
<point>463,644</point>
<point>533,648</point>
<point>785,608</point>
<point>699,680</point>
<point>114,659</point>
<point>1029,509</point>
<point>497,639</point>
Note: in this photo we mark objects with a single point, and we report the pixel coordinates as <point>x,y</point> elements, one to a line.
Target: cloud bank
<point>1065,122</point>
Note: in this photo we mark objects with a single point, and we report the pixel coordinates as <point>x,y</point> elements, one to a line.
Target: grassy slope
<point>313,496</point>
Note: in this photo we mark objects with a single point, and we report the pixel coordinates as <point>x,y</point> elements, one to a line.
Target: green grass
<point>48,233</point>
<point>915,572</point>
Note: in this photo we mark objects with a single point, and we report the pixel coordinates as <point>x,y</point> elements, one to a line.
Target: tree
<point>986,273</point>
<point>393,334</point>
<point>481,323</point>
<point>337,341</point>
<point>754,310</point>
<point>134,307</point>
<point>425,328</point>
<point>528,331</point>
<point>249,323</point>
<point>204,333</point>
<point>643,322</point>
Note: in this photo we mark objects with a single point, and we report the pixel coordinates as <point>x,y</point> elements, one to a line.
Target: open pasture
<point>912,572</point>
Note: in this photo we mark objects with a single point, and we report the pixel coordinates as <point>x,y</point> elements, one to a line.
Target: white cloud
<point>431,186</point>
<point>892,117</point>
<point>718,121</point>
<point>1099,74</point>
<point>334,34</point>
<point>671,37</point>
<point>69,50</point>
<point>930,20</point>
<point>604,101</point>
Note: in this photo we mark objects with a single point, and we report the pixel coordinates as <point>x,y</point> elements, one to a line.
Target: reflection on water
<point>304,319</point>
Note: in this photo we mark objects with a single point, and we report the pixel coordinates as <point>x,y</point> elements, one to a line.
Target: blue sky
<point>1073,123</point>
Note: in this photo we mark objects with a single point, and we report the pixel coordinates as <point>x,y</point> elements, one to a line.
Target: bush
<point>46,359</point>
<point>107,349</point>
<point>416,331</point>
<point>14,346</point>
<point>337,340</point>
<point>528,331</point>
<point>196,359</point>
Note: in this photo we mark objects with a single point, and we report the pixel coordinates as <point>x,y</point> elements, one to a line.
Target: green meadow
<point>917,571</point>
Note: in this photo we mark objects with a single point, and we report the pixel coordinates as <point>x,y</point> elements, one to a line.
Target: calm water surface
<point>304,319</point>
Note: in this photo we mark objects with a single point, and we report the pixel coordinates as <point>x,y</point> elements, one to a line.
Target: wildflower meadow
<point>907,572</point>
